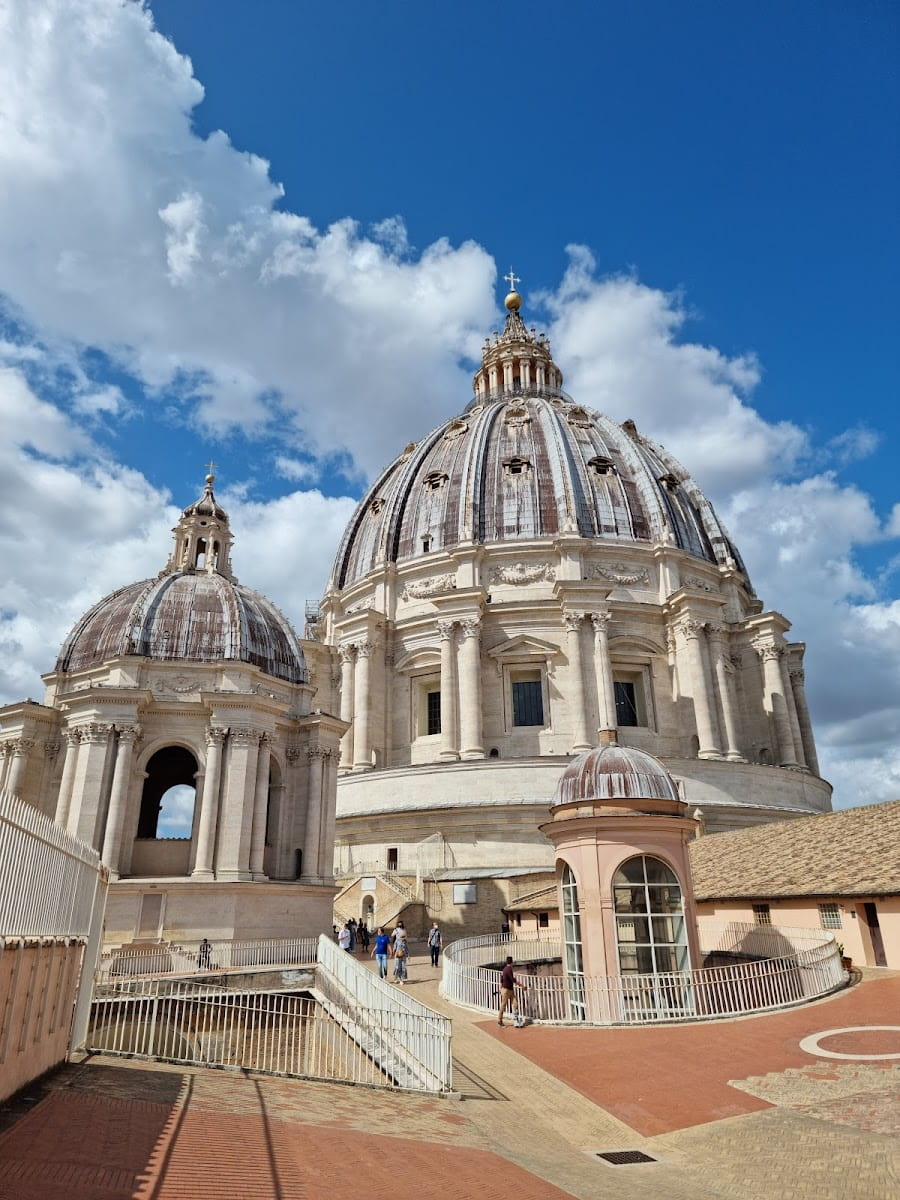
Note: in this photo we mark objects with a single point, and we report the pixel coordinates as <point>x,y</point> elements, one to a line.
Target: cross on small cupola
<point>512,279</point>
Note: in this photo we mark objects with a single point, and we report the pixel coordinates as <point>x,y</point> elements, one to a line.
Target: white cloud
<point>122,230</point>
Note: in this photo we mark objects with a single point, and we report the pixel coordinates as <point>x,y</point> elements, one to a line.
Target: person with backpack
<point>435,941</point>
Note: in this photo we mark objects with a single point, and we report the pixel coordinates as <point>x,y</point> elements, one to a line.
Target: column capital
<point>314,752</point>
<point>572,621</point>
<point>243,735</point>
<point>601,622</point>
<point>346,651</point>
<point>292,754</point>
<point>767,651</point>
<point>798,675</point>
<point>129,733</point>
<point>366,648</point>
<point>690,627</point>
<point>95,732</point>
<point>71,737</point>
<point>470,627</point>
<point>215,735</point>
<point>445,630</point>
<point>52,748</point>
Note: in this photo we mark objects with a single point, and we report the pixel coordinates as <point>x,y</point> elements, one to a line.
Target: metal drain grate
<point>622,1158</point>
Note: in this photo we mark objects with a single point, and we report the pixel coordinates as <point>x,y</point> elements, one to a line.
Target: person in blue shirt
<point>380,951</point>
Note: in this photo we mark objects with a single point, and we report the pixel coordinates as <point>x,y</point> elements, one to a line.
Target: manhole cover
<point>622,1158</point>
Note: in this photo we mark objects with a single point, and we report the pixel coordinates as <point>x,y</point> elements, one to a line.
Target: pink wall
<point>803,913</point>
<point>38,984</point>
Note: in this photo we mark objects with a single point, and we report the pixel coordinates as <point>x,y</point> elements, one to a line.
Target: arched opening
<point>571,931</point>
<point>171,778</point>
<point>176,812</point>
<point>650,928</point>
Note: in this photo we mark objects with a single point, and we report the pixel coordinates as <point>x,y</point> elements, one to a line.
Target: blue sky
<point>274,239</point>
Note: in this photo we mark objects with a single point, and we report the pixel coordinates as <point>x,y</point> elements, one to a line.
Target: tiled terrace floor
<point>728,1109</point>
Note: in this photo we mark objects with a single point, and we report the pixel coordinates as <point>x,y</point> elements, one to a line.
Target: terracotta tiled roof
<point>541,901</point>
<point>854,852</point>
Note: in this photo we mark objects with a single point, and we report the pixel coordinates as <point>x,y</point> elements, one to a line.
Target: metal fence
<point>191,957</point>
<point>48,878</point>
<point>759,968</point>
<point>348,1026</point>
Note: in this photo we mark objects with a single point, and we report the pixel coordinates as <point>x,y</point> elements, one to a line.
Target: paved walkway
<point>725,1109</point>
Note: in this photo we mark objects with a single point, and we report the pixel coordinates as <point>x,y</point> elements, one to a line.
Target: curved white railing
<point>770,968</point>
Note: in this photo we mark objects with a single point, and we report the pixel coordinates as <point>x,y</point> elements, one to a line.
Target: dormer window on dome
<point>670,482</point>
<point>435,480</point>
<point>516,466</point>
<point>601,465</point>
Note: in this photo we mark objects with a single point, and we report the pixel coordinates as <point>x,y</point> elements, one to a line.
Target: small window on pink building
<point>830,916</point>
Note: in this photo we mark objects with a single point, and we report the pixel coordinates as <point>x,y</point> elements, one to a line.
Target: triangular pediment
<point>523,647</point>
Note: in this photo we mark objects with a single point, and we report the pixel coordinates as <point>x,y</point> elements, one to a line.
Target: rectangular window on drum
<point>433,712</point>
<point>527,702</point>
<point>626,703</point>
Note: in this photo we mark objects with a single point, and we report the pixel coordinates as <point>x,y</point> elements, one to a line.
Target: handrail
<point>778,968</point>
<point>163,959</point>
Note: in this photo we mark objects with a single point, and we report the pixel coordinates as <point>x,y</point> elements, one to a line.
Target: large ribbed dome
<point>524,461</point>
<point>194,610</point>
<point>189,615</point>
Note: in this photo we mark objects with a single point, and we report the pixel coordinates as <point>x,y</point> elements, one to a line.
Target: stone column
<point>449,736</point>
<point>788,693</point>
<point>329,815</point>
<point>260,809</point>
<point>603,667</point>
<point>347,653</point>
<point>21,749</point>
<point>774,702</point>
<point>209,803</point>
<point>233,859</point>
<point>470,715</point>
<point>700,689</point>
<point>580,737</point>
<point>362,707</point>
<point>729,723</point>
<point>312,850</point>
<point>806,732</point>
<point>88,782</point>
<point>118,798</point>
<point>4,763</point>
<point>71,737</point>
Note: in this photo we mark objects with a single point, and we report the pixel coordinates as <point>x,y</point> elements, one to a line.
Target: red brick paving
<point>233,1137</point>
<point>669,1077</point>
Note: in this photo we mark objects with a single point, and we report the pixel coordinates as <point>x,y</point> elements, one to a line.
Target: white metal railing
<point>184,1021</point>
<point>190,958</point>
<point>409,1039</point>
<point>770,968</point>
<point>48,878</point>
<point>350,1025</point>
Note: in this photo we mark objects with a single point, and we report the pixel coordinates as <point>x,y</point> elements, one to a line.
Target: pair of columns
<point>234,797</point>
<point>785,702</point>
<point>356,702</point>
<point>602,666</point>
<point>702,653</point>
<point>461,716</point>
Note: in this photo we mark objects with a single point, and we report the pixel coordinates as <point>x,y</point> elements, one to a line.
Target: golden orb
<point>513,301</point>
<point>210,479</point>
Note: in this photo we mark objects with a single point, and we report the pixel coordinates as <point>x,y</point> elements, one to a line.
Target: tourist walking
<point>203,957</point>
<point>344,938</point>
<point>401,953</point>
<point>434,943</point>
<point>351,925</point>
<point>508,985</point>
<point>362,933</point>
<point>381,950</point>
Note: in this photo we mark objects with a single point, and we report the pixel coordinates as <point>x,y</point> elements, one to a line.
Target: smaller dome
<point>615,773</point>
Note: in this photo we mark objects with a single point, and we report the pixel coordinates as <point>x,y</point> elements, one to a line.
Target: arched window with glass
<point>650,928</point>
<point>574,963</point>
